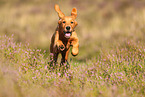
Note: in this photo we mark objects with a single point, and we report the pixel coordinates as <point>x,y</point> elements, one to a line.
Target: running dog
<point>65,36</point>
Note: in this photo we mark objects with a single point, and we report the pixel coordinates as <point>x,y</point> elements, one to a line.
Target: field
<point>111,60</point>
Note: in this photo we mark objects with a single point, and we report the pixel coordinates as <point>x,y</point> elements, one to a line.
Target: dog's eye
<point>72,22</point>
<point>63,22</point>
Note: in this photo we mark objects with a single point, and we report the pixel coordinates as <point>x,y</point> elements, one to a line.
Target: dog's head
<point>67,23</point>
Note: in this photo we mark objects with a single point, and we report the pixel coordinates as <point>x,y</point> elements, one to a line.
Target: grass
<point>112,50</point>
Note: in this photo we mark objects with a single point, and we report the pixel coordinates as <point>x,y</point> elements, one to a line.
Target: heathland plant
<point>116,72</point>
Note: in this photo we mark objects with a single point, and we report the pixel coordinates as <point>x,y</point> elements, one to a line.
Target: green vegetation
<point>111,61</point>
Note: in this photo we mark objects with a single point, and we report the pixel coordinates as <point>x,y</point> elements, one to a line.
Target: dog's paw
<point>75,51</point>
<point>61,47</point>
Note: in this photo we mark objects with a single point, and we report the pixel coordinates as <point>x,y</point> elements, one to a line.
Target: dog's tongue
<point>67,35</point>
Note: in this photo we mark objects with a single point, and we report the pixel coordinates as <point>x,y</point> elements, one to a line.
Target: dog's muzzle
<point>67,34</point>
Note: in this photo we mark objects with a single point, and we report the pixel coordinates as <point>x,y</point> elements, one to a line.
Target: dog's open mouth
<point>67,34</point>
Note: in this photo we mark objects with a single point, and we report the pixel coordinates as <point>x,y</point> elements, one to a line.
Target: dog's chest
<point>67,43</point>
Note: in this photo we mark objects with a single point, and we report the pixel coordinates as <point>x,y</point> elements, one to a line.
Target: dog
<point>65,36</point>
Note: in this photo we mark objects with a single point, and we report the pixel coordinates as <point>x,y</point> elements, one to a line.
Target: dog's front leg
<point>60,45</point>
<point>75,48</point>
<point>58,42</point>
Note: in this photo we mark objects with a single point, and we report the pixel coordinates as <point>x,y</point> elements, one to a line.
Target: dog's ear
<point>60,20</point>
<point>74,13</point>
<point>57,9</point>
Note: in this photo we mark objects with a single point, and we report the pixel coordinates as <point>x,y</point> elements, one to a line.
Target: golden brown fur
<point>65,36</point>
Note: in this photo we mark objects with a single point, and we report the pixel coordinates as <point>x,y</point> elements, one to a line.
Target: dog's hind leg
<point>53,57</point>
<point>65,58</point>
<point>63,54</point>
<point>53,61</point>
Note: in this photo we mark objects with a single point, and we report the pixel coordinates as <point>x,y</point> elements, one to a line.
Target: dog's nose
<point>68,28</point>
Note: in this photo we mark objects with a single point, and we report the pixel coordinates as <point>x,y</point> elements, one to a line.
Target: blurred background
<point>102,24</point>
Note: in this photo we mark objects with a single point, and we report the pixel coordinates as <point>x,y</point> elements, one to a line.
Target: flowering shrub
<point>117,72</point>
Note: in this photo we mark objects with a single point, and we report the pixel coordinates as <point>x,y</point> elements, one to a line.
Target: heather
<point>111,61</point>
